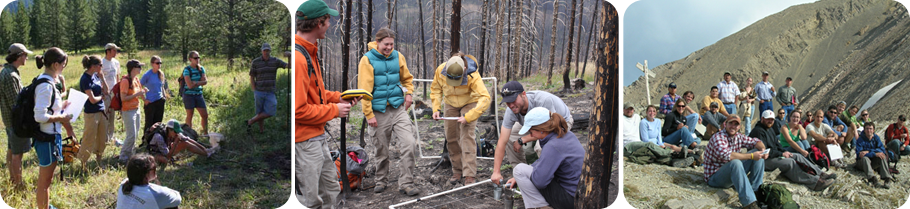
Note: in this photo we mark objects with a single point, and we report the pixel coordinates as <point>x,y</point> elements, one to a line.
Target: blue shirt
<point>650,132</point>
<point>561,160</point>
<point>763,90</point>
<point>873,145</point>
<point>195,75</point>
<point>91,82</point>
<point>834,123</point>
<point>151,81</point>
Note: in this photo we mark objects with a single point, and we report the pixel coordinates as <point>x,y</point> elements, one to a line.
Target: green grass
<point>245,173</point>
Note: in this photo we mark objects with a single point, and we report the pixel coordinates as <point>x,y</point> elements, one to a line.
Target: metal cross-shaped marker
<point>648,73</point>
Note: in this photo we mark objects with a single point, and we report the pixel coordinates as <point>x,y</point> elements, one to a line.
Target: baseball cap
<point>728,73</point>
<point>265,46</point>
<point>767,114</point>
<point>672,85</point>
<point>765,73</point>
<point>17,48</point>
<point>111,46</point>
<point>173,124</point>
<point>714,104</point>
<point>535,116</point>
<point>313,9</point>
<point>133,63</point>
<point>734,118</point>
<point>789,78</point>
<point>510,91</point>
<point>628,105</point>
<point>454,71</point>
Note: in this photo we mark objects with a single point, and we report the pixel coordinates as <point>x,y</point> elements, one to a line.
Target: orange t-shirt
<point>125,90</point>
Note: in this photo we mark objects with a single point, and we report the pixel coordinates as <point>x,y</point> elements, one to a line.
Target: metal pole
<point>441,193</point>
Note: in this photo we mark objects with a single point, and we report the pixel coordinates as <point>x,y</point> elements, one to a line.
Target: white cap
<point>767,114</point>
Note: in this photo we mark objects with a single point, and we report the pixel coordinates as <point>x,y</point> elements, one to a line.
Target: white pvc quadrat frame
<point>496,113</point>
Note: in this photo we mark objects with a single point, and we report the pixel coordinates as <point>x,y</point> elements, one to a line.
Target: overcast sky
<point>662,31</point>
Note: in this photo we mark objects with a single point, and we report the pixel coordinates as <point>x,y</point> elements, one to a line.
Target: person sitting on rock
<point>712,120</point>
<point>780,120</point>
<point>725,167</point>
<point>793,136</point>
<point>844,137</point>
<point>864,118</point>
<point>630,125</point>
<point>692,116</point>
<point>713,97</point>
<point>675,130</point>
<point>809,119</point>
<point>897,136</point>
<point>649,130</point>
<point>164,146</point>
<point>553,179</point>
<point>821,134</point>
<point>786,161</point>
<point>845,128</point>
<point>871,154</point>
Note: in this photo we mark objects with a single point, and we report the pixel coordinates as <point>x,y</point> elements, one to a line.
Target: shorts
<point>17,145</point>
<point>266,102</point>
<point>193,101</point>
<point>49,152</point>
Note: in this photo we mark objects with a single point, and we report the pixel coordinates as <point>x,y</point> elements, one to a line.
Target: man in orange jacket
<point>314,106</point>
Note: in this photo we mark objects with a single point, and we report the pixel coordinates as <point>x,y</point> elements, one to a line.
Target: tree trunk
<point>578,39</point>
<point>483,36</point>
<point>499,29</point>
<point>423,49</point>
<point>369,18</point>
<point>364,35</point>
<point>435,32</point>
<point>345,57</point>
<point>456,26</point>
<point>567,87</point>
<point>553,42</point>
<point>515,68</point>
<point>594,188</point>
<point>593,20</point>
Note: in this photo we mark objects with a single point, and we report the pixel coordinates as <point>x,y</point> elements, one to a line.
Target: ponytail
<point>51,56</point>
<point>39,61</point>
<point>88,61</point>
<point>556,124</point>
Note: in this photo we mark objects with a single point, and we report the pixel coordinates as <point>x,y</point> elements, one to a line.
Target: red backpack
<point>116,101</point>
<point>819,158</point>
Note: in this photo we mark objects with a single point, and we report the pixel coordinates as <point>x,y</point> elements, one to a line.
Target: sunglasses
<point>680,106</point>
<point>158,62</point>
<point>194,58</point>
<point>865,114</point>
<point>505,92</point>
<point>450,77</point>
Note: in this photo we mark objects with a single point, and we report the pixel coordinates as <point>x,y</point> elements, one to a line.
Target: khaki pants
<point>110,119</point>
<point>516,158</point>
<point>394,120</point>
<point>94,137</point>
<point>316,173</point>
<point>460,141</point>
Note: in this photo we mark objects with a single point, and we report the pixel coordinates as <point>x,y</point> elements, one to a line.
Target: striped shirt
<point>195,76</point>
<point>728,91</point>
<point>719,148</point>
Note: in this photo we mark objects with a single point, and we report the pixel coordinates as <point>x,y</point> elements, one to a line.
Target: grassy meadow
<point>247,172</point>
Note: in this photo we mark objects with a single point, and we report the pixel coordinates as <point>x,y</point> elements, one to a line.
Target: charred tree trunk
<point>483,36</point>
<point>456,26</point>
<point>567,87</point>
<point>364,35</point>
<point>596,175</point>
<point>553,42</point>
<point>581,22</point>
<point>497,59</point>
<point>345,57</point>
<point>423,49</point>
<point>435,33</point>
<point>593,20</point>
<point>516,37</point>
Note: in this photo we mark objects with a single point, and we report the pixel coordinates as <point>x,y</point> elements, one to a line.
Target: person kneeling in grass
<point>552,180</point>
<point>164,145</point>
<point>137,191</point>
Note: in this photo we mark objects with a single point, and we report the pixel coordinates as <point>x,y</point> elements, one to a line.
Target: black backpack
<point>157,128</point>
<point>24,124</point>
<point>818,157</point>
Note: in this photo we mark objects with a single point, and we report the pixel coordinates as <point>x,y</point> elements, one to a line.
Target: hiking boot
<point>886,184</point>
<point>822,184</point>
<point>682,163</point>
<point>379,188</point>
<point>454,180</point>
<point>469,180</point>
<point>699,157</point>
<point>681,154</point>
<point>409,190</point>
<point>828,176</point>
<point>753,205</point>
<point>873,180</point>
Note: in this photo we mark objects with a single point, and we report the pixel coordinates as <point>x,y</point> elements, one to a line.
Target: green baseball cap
<point>313,9</point>
<point>174,125</point>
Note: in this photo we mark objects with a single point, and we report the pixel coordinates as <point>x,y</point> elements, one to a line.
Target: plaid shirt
<point>666,103</point>
<point>728,91</point>
<point>10,85</point>
<point>720,147</point>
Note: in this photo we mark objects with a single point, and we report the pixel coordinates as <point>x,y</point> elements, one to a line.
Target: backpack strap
<point>53,94</point>
<point>309,64</point>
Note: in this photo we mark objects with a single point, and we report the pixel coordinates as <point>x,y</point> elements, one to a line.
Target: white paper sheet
<point>835,152</point>
<point>77,101</point>
<point>448,118</point>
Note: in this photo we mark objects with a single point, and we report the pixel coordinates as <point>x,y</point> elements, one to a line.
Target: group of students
<point>98,82</point>
<point>778,141</point>
<point>536,117</point>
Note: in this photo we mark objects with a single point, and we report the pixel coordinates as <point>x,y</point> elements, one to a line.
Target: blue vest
<point>386,80</point>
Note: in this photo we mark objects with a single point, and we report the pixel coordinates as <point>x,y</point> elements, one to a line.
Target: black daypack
<point>819,158</point>
<point>24,124</point>
<point>157,128</point>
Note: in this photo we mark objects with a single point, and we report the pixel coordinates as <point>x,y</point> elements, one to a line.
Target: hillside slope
<point>834,50</point>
